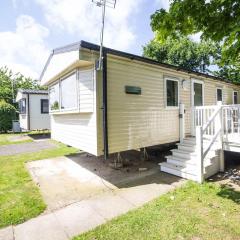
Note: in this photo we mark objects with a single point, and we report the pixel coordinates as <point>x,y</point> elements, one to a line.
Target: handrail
<point>206,125</point>
<point>211,143</point>
<point>204,107</point>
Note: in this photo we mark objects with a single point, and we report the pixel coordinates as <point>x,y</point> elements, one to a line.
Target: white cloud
<point>82,19</point>
<point>162,4</point>
<point>24,49</point>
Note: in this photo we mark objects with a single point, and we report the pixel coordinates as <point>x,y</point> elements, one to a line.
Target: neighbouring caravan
<point>133,103</point>
<point>33,109</point>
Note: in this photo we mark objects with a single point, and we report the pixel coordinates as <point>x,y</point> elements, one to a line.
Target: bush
<point>7,114</point>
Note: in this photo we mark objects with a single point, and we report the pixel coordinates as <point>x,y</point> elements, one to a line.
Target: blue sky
<point>30,29</point>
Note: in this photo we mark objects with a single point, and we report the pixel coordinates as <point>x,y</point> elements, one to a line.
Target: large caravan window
<point>73,92</point>
<point>22,106</point>
<point>69,92</point>
<point>172,93</point>
<point>54,97</point>
<point>235,97</point>
<point>219,95</point>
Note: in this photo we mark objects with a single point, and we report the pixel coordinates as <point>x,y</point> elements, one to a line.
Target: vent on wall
<point>133,90</point>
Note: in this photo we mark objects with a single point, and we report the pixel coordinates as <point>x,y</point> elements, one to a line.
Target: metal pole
<point>102,34</point>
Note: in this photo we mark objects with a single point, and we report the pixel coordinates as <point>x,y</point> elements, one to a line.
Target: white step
<point>180,161</point>
<point>177,171</point>
<point>191,141</point>
<point>184,154</point>
<point>184,167</point>
<point>186,147</point>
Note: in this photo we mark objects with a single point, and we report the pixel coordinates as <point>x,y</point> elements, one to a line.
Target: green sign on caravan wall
<point>133,90</point>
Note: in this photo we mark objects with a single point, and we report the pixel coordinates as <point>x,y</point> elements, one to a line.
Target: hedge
<point>7,114</point>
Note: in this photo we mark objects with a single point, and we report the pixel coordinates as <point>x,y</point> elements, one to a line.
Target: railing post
<point>182,122</point>
<point>193,121</point>
<point>199,151</point>
<point>221,144</point>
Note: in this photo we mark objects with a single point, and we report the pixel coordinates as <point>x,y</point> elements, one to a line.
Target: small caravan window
<point>69,92</point>
<point>235,97</point>
<point>44,106</point>
<point>54,97</point>
<point>172,93</point>
<point>219,95</point>
<point>22,106</point>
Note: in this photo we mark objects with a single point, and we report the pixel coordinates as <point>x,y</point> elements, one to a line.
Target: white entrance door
<point>197,93</point>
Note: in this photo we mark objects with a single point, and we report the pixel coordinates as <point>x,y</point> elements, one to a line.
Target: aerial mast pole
<point>102,35</point>
<point>103,4</point>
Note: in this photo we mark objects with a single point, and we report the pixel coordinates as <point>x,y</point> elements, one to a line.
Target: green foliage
<point>217,20</point>
<point>55,106</point>
<point>7,114</point>
<point>182,52</point>
<point>9,81</point>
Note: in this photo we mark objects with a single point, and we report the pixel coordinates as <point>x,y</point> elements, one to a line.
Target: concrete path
<point>79,217</point>
<point>30,147</point>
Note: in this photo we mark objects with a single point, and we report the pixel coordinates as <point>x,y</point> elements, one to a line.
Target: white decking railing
<point>214,125</point>
<point>231,123</point>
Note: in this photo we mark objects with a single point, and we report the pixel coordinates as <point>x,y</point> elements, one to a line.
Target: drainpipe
<point>104,107</point>
<point>28,111</point>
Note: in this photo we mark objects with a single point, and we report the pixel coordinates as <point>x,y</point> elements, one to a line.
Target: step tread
<point>183,161</point>
<point>180,171</point>
<point>180,168</point>
<point>184,151</point>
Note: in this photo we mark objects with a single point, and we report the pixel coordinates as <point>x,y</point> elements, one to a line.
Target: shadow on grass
<point>40,136</point>
<point>229,193</point>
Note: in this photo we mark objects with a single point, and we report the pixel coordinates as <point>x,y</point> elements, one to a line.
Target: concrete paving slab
<point>140,195</point>
<point>78,218</point>
<point>6,233</point>
<point>41,228</point>
<point>63,182</point>
<point>29,147</point>
<point>110,205</point>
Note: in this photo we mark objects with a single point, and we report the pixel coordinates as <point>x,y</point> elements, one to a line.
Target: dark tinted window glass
<point>198,94</point>
<point>219,95</point>
<point>44,106</point>
<point>22,106</point>
<point>235,98</point>
<point>172,93</point>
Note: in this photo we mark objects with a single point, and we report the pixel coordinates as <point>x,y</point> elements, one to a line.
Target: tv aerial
<point>103,4</point>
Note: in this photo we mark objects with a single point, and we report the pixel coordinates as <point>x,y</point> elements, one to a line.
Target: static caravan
<point>33,109</point>
<point>133,102</point>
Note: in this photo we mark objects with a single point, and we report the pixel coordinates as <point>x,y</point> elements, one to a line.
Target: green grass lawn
<point>4,139</point>
<point>20,198</point>
<point>193,212</point>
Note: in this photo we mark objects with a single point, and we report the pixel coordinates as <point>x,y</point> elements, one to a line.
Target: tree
<point>7,114</point>
<point>10,83</point>
<point>217,20</point>
<point>183,52</point>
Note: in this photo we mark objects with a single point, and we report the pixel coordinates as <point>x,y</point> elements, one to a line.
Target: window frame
<point>41,102</point>
<point>20,103</point>
<point>74,109</point>
<point>165,92</point>
<point>233,97</point>
<point>219,88</point>
<point>59,97</point>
